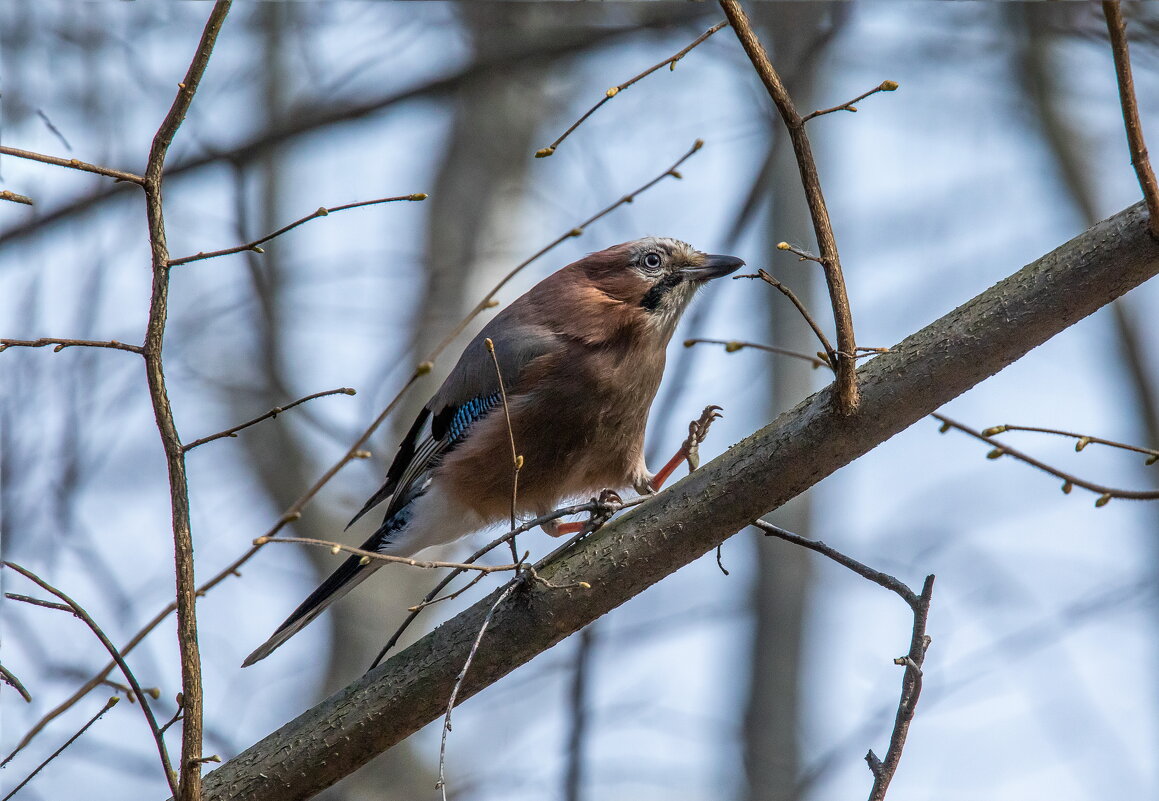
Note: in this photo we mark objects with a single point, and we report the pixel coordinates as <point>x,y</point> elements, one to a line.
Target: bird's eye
<point>652,261</point>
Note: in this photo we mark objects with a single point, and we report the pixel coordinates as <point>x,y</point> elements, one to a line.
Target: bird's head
<point>655,277</point>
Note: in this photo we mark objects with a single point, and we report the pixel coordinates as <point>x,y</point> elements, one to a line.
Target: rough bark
<point>636,550</point>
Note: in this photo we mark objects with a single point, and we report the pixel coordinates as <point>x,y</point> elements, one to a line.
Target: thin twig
<point>16,197</point>
<point>911,687</point>
<point>108,705</point>
<point>274,412</point>
<point>188,786</point>
<point>12,596</point>
<point>803,255</point>
<point>788,293</point>
<point>255,246</point>
<point>9,678</point>
<point>61,344</point>
<point>117,657</point>
<point>543,152</point>
<point>72,164</point>
<point>338,547</point>
<point>733,345</point>
<point>865,571</point>
<point>1117,29</point>
<point>1069,481</point>
<point>1083,439</point>
<point>919,604</point>
<point>885,86</point>
<point>442,783</point>
<point>516,459</point>
<point>176,715</point>
<point>847,392</point>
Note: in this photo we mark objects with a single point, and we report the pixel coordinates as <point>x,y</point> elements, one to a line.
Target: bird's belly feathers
<point>572,443</point>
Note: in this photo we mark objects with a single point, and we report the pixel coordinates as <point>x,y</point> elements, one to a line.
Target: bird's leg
<point>689,449</point>
<point>609,503</point>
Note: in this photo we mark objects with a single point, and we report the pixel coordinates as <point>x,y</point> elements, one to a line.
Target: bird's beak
<point>713,267</point>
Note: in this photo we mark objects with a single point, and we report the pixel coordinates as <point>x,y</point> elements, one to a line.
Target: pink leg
<point>690,448</point>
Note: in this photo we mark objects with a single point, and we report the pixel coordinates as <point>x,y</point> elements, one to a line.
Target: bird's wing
<point>469,393</point>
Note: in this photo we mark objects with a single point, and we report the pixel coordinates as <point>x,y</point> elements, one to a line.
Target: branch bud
<point>1103,500</point>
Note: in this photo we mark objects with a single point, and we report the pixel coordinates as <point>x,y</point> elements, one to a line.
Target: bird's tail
<point>349,575</point>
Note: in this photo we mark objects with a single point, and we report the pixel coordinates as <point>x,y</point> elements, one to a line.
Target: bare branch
<point>9,678</point>
<point>543,152</point>
<point>884,86</point>
<point>1069,481</point>
<point>12,596</point>
<point>911,687</point>
<point>883,772</point>
<point>733,345</point>
<point>847,392</point>
<point>188,786</point>
<point>108,705</point>
<point>72,164</point>
<point>274,412</point>
<point>1083,439</point>
<point>442,783</point>
<point>15,197</point>
<point>255,246</point>
<point>792,296</point>
<point>117,657</point>
<point>516,459</point>
<point>61,344</point>
<point>338,547</point>
<point>876,576</point>
<point>1117,29</point>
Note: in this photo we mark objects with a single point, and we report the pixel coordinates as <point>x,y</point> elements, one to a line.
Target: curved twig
<point>117,657</point>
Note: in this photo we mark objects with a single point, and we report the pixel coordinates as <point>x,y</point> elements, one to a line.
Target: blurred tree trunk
<point>1071,146</point>
<point>796,33</point>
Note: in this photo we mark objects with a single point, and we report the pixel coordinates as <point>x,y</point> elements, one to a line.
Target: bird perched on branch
<point>581,356</point>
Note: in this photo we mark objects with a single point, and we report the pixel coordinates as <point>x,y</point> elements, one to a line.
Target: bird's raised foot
<point>690,449</point>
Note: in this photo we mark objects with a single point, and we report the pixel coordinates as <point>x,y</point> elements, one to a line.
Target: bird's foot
<point>606,505</point>
<point>690,449</point>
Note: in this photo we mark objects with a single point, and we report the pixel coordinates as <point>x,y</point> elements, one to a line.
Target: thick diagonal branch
<point>647,543</point>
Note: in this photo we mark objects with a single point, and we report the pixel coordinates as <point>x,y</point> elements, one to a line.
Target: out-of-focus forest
<point>1004,140</point>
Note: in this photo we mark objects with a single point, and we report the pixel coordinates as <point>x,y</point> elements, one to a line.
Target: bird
<point>581,356</point>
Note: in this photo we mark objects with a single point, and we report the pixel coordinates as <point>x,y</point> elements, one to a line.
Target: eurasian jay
<point>581,355</point>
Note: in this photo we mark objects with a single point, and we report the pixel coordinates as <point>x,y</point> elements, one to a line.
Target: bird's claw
<point>607,504</point>
<point>697,433</point>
